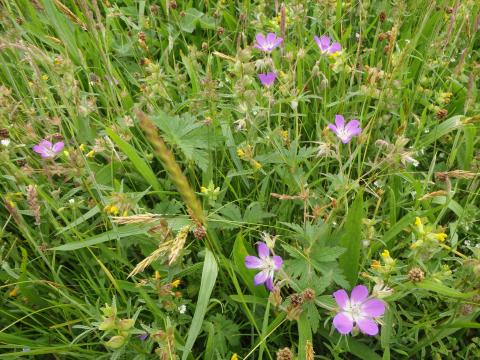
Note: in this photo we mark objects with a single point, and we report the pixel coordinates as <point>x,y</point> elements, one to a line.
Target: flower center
<point>343,133</point>
<point>268,264</point>
<point>354,310</point>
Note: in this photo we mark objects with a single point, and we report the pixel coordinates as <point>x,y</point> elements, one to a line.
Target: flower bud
<point>115,342</point>
<point>126,324</point>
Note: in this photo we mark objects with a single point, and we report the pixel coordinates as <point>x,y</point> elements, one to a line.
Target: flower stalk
<point>173,169</point>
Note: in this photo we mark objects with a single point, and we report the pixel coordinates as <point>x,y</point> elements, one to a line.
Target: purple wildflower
<point>268,43</point>
<point>143,336</point>
<point>324,43</point>
<point>48,150</point>
<point>267,79</point>
<point>358,310</point>
<point>264,262</point>
<point>345,132</point>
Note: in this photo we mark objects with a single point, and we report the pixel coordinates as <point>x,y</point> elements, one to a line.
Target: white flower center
<point>354,310</point>
<point>343,133</point>
<point>268,264</point>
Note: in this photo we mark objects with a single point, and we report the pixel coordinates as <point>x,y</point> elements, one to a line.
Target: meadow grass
<point>131,241</point>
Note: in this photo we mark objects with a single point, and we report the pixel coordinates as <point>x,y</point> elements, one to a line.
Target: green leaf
<point>352,240</point>
<point>121,232</point>
<point>304,335</point>
<point>209,276</point>
<point>327,254</point>
<point>441,130</point>
<point>441,289</point>
<point>190,20</point>
<point>142,167</point>
<point>193,139</point>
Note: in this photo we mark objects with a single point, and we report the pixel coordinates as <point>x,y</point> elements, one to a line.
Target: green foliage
<point>395,209</point>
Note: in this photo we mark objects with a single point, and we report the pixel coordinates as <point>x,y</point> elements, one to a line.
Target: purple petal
<point>339,121</point>
<point>333,128</point>
<point>143,337</point>
<point>277,262</point>
<point>261,277</point>
<point>271,38</point>
<point>268,78</point>
<point>373,308</point>
<point>359,294</point>
<point>353,128</point>
<point>346,140</point>
<point>317,40</point>
<point>269,284</point>
<point>343,323</point>
<point>336,47</point>
<point>324,43</point>
<point>39,149</point>
<point>260,40</point>
<point>57,147</point>
<point>341,298</point>
<point>263,250</point>
<point>277,41</point>
<point>253,262</point>
<point>368,326</point>
<point>46,144</point>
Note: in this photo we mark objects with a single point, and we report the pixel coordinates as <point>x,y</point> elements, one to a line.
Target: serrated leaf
<point>327,254</point>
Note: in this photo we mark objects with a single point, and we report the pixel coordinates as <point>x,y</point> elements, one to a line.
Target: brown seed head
<point>284,354</point>
<point>416,274</point>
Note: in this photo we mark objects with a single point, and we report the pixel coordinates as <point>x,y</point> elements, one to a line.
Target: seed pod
<point>416,274</point>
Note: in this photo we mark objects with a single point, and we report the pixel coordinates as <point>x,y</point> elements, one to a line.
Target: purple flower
<point>143,336</point>
<point>267,79</point>
<point>267,43</point>
<point>325,46</point>
<point>358,310</point>
<point>268,265</point>
<point>345,132</point>
<point>48,150</point>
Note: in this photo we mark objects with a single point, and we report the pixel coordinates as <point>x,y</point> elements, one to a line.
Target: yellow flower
<point>157,275</point>
<point>175,283</point>
<point>82,147</point>
<point>440,237</point>
<point>376,265</point>
<point>90,154</point>
<point>111,209</point>
<point>385,254</point>
<point>203,189</point>
<point>44,77</point>
<point>284,134</point>
<point>256,164</point>
<point>419,224</point>
<point>240,153</point>
<point>234,357</point>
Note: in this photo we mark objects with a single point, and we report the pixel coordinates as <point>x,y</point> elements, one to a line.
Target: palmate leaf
<point>192,137</point>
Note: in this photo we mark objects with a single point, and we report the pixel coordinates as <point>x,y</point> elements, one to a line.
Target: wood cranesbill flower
<point>266,264</point>
<point>47,150</point>
<point>267,79</point>
<point>345,132</point>
<point>358,310</point>
<point>326,46</point>
<point>267,43</point>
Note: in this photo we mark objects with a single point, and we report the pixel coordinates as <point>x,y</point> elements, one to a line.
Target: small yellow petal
<point>441,237</point>
<point>175,283</point>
